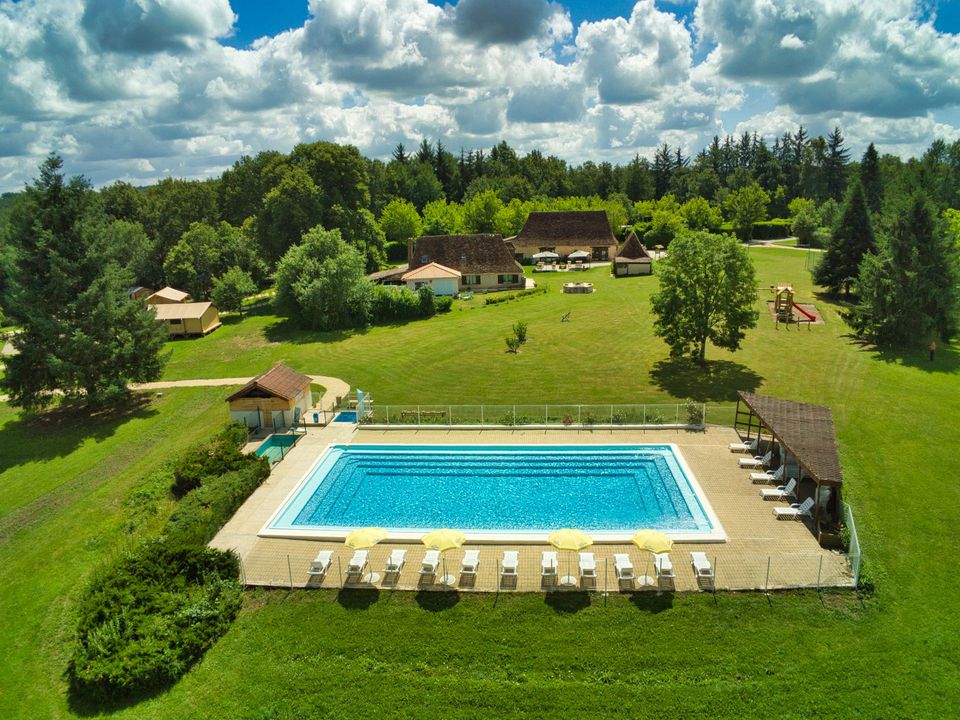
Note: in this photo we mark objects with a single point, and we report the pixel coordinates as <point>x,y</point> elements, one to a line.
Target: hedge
<point>146,618</point>
<point>506,297</point>
<point>393,303</point>
<point>776,229</point>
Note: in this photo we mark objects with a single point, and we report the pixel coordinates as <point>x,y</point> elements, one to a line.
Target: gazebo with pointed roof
<point>632,259</point>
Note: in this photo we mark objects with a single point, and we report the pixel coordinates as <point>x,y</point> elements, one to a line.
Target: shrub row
<point>393,303</point>
<point>505,297</point>
<point>146,618</point>
<point>775,229</point>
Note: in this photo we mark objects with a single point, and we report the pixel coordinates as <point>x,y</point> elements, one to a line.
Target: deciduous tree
<point>747,206</point>
<point>708,292</point>
<point>231,288</point>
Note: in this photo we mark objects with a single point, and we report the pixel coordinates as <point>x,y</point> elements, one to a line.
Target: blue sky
<point>141,89</point>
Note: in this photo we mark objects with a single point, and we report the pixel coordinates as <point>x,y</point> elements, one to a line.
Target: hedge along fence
<point>146,618</point>
<point>776,229</point>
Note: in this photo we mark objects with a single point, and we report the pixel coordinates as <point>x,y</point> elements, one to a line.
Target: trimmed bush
<point>206,509</point>
<point>443,303</point>
<point>145,620</point>
<point>391,304</point>
<point>506,297</point>
<point>220,455</point>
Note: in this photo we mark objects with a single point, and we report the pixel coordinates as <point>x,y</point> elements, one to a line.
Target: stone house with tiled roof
<point>563,233</point>
<point>484,261</point>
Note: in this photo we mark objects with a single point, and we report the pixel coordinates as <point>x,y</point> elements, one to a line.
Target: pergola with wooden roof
<point>807,433</point>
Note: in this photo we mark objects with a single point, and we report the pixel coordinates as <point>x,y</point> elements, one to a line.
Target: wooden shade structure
<point>806,432</point>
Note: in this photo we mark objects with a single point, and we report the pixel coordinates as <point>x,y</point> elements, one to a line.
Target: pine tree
<point>870,178</point>
<point>835,165</point>
<point>400,153</point>
<point>908,291</point>
<point>82,335</point>
<point>852,239</point>
<point>662,170</point>
<point>425,152</point>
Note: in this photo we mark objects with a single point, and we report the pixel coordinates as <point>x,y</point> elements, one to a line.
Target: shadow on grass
<point>711,381</point>
<point>88,704</point>
<point>437,600</point>
<point>58,432</point>
<point>652,602</point>
<point>357,598</point>
<point>946,359</point>
<point>287,331</point>
<point>567,601</point>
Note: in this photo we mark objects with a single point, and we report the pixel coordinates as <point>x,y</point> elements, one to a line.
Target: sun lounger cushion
<point>510,561</point>
<point>701,565</point>
<point>471,558</point>
<point>623,566</point>
<point>396,560</point>
<point>662,565</point>
<point>588,566</point>
<point>320,563</point>
<point>357,562</point>
<point>428,565</point>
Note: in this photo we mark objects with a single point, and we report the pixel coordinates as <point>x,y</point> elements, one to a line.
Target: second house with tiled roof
<point>586,231</point>
<point>479,263</point>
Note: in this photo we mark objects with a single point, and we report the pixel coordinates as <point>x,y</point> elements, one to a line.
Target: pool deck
<point>756,539</point>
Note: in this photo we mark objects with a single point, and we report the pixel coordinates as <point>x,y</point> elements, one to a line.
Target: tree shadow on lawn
<point>287,331</point>
<point>60,431</point>
<point>946,360</point>
<point>88,704</point>
<point>711,381</point>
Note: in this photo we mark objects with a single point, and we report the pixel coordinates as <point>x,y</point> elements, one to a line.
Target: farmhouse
<point>484,262</point>
<point>188,318</point>
<point>277,398</point>
<point>632,258</point>
<point>443,280</point>
<point>564,233</point>
<point>167,295</point>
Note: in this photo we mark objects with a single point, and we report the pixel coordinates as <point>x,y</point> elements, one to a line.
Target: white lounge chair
<point>780,493</point>
<point>471,559</point>
<point>548,565</point>
<point>701,566</point>
<point>428,566</point>
<point>748,446</point>
<point>395,562</point>
<point>357,563</point>
<point>795,511</point>
<point>511,558</point>
<point>767,477</point>
<point>623,566</point>
<point>663,566</point>
<point>588,566</point>
<point>758,461</point>
<point>321,563</point>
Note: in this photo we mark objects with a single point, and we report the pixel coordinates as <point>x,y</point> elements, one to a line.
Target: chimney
<point>410,252</point>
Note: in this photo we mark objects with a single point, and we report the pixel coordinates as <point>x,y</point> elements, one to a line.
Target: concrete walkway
<point>334,387</point>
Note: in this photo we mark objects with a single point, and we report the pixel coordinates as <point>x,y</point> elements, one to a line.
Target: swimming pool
<point>276,446</point>
<point>498,493</point>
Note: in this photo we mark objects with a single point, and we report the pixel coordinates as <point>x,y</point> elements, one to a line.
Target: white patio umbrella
<point>545,255</point>
<point>579,254</point>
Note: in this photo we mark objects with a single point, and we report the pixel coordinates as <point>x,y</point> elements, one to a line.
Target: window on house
<point>507,279</point>
<point>601,253</point>
<point>471,279</point>
<point>424,259</point>
<point>176,321</point>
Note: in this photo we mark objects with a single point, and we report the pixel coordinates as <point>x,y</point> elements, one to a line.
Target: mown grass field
<point>64,507</point>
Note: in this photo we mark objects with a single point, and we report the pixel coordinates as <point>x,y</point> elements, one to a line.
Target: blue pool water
<point>276,446</point>
<point>497,488</point>
<point>346,416</point>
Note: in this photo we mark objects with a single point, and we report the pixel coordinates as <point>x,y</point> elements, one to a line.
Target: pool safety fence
<point>674,415</point>
<point>732,571</point>
<point>853,543</point>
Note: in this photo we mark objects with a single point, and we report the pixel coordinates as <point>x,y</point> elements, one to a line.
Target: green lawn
<point>320,654</point>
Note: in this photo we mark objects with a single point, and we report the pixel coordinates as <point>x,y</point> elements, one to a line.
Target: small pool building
<point>276,399</point>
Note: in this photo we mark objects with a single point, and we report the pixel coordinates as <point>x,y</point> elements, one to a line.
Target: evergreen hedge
<point>143,620</point>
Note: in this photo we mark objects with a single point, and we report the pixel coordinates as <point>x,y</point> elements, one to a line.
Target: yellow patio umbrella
<point>654,542</point>
<point>569,539</point>
<point>366,537</point>
<point>443,540</point>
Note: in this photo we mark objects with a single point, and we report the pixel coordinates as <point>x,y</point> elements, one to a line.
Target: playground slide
<point>810,317</point>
